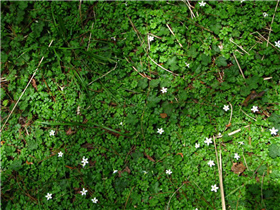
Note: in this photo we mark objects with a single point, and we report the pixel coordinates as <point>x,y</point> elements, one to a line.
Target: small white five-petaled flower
<point>168,172</point>
<point>265,14</point>
<point>163,90</point>
<point>160,130</point>
<point>277,44</point>
<point>145,172</point>
<point>84,161</point>
<point>197,145</point>
<point>241,143</point>
<point>214,188</point>
<point>52,132</point>
<point>150,38</point>
<point>226,108</point>
<point>94,200</point>
<point>84,191</point>
<point>208,141</point>
<point>255,109</point>
<point>273,131</point>
<point>202,4</point>
<point>187,64</point>
<point>236,156</point>
<point>60,154</point>
<point>211,163</point>
<point>49,196</point>
<point>115,171</point>
<point>121,123</point>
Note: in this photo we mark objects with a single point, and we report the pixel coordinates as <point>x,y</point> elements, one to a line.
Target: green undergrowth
<point>99,88</point>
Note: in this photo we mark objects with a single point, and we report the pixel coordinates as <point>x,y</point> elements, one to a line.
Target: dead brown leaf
<point>29,163</point>
<point>70,132</point>
<point>238,168</point>
<point>124,170</point>
<point>149,157</point>
<point>33,82</point>
<point>163,115</point>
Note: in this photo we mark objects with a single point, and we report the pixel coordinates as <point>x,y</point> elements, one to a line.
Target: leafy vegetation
<point>96,128</point>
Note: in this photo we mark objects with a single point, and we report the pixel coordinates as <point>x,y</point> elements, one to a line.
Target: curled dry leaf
<point>33,82</point>
<point>149,157</point>
<point>29,163</point>
<point>238,168</point>
<point>163,115</point>
<point>69,132</point>
<point>125,170</point>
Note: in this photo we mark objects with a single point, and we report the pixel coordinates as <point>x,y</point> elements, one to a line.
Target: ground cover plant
<point>140,105</point>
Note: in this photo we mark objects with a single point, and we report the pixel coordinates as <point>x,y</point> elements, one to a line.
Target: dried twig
<point>24,90</point>
<point>248,115</point>
<point>238,66</point>
<point>174,35</point>
<point>272,23</point>
<point>162,67</point>
<point>190,8</point>
<point>219,164</point>
<point>231,40</point>
<point>104,74</point>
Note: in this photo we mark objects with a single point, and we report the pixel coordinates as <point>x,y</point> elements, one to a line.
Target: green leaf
<point>16,165</point>
<point>221,61</point>
<point>154,83</point>
<point>32,145</point>
<point>274,150</point>
<point>172,63</point>
<point>205,60</point>
<point>143,83</point>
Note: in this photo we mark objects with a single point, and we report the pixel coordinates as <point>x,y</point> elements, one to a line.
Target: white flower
<point>255,109</point>
<point>168,172</point>
<point>60,154</point>
<point>214,188</point>
<point>49,196</point>
<point>226,108</point>
<point>202,4</point>
<point>160,131</point>
<point>273,131</point>
<point>236,156</point>
<point>84,191</point>
<point>211,163</point>
<point>115,171</point>
<point>242,1</point>
<point>150,38</point>
<point>197,145</point>
<point>114,38</point>
<point>208,141</point>
<point>52,132</point>
<point>241,143</point>
<point>145,172</point>
<point>187,64</point>
<point>84,161</point>
<point>94,200</point>
<point>121,123</point>
<point>163,90</point>
<point>277,44</point>
<point>265,14</point>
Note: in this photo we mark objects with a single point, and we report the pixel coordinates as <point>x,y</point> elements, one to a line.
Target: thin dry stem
<point>104,74</point>
<point>174,35</point>
<point>239,66</point>
<point>248,115</point>
<point>24,90</point>
<point>162,67</point>
<point>219,164</point>
<point>173,195</point>
<point>231,40</point>
<point>272,23</point>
